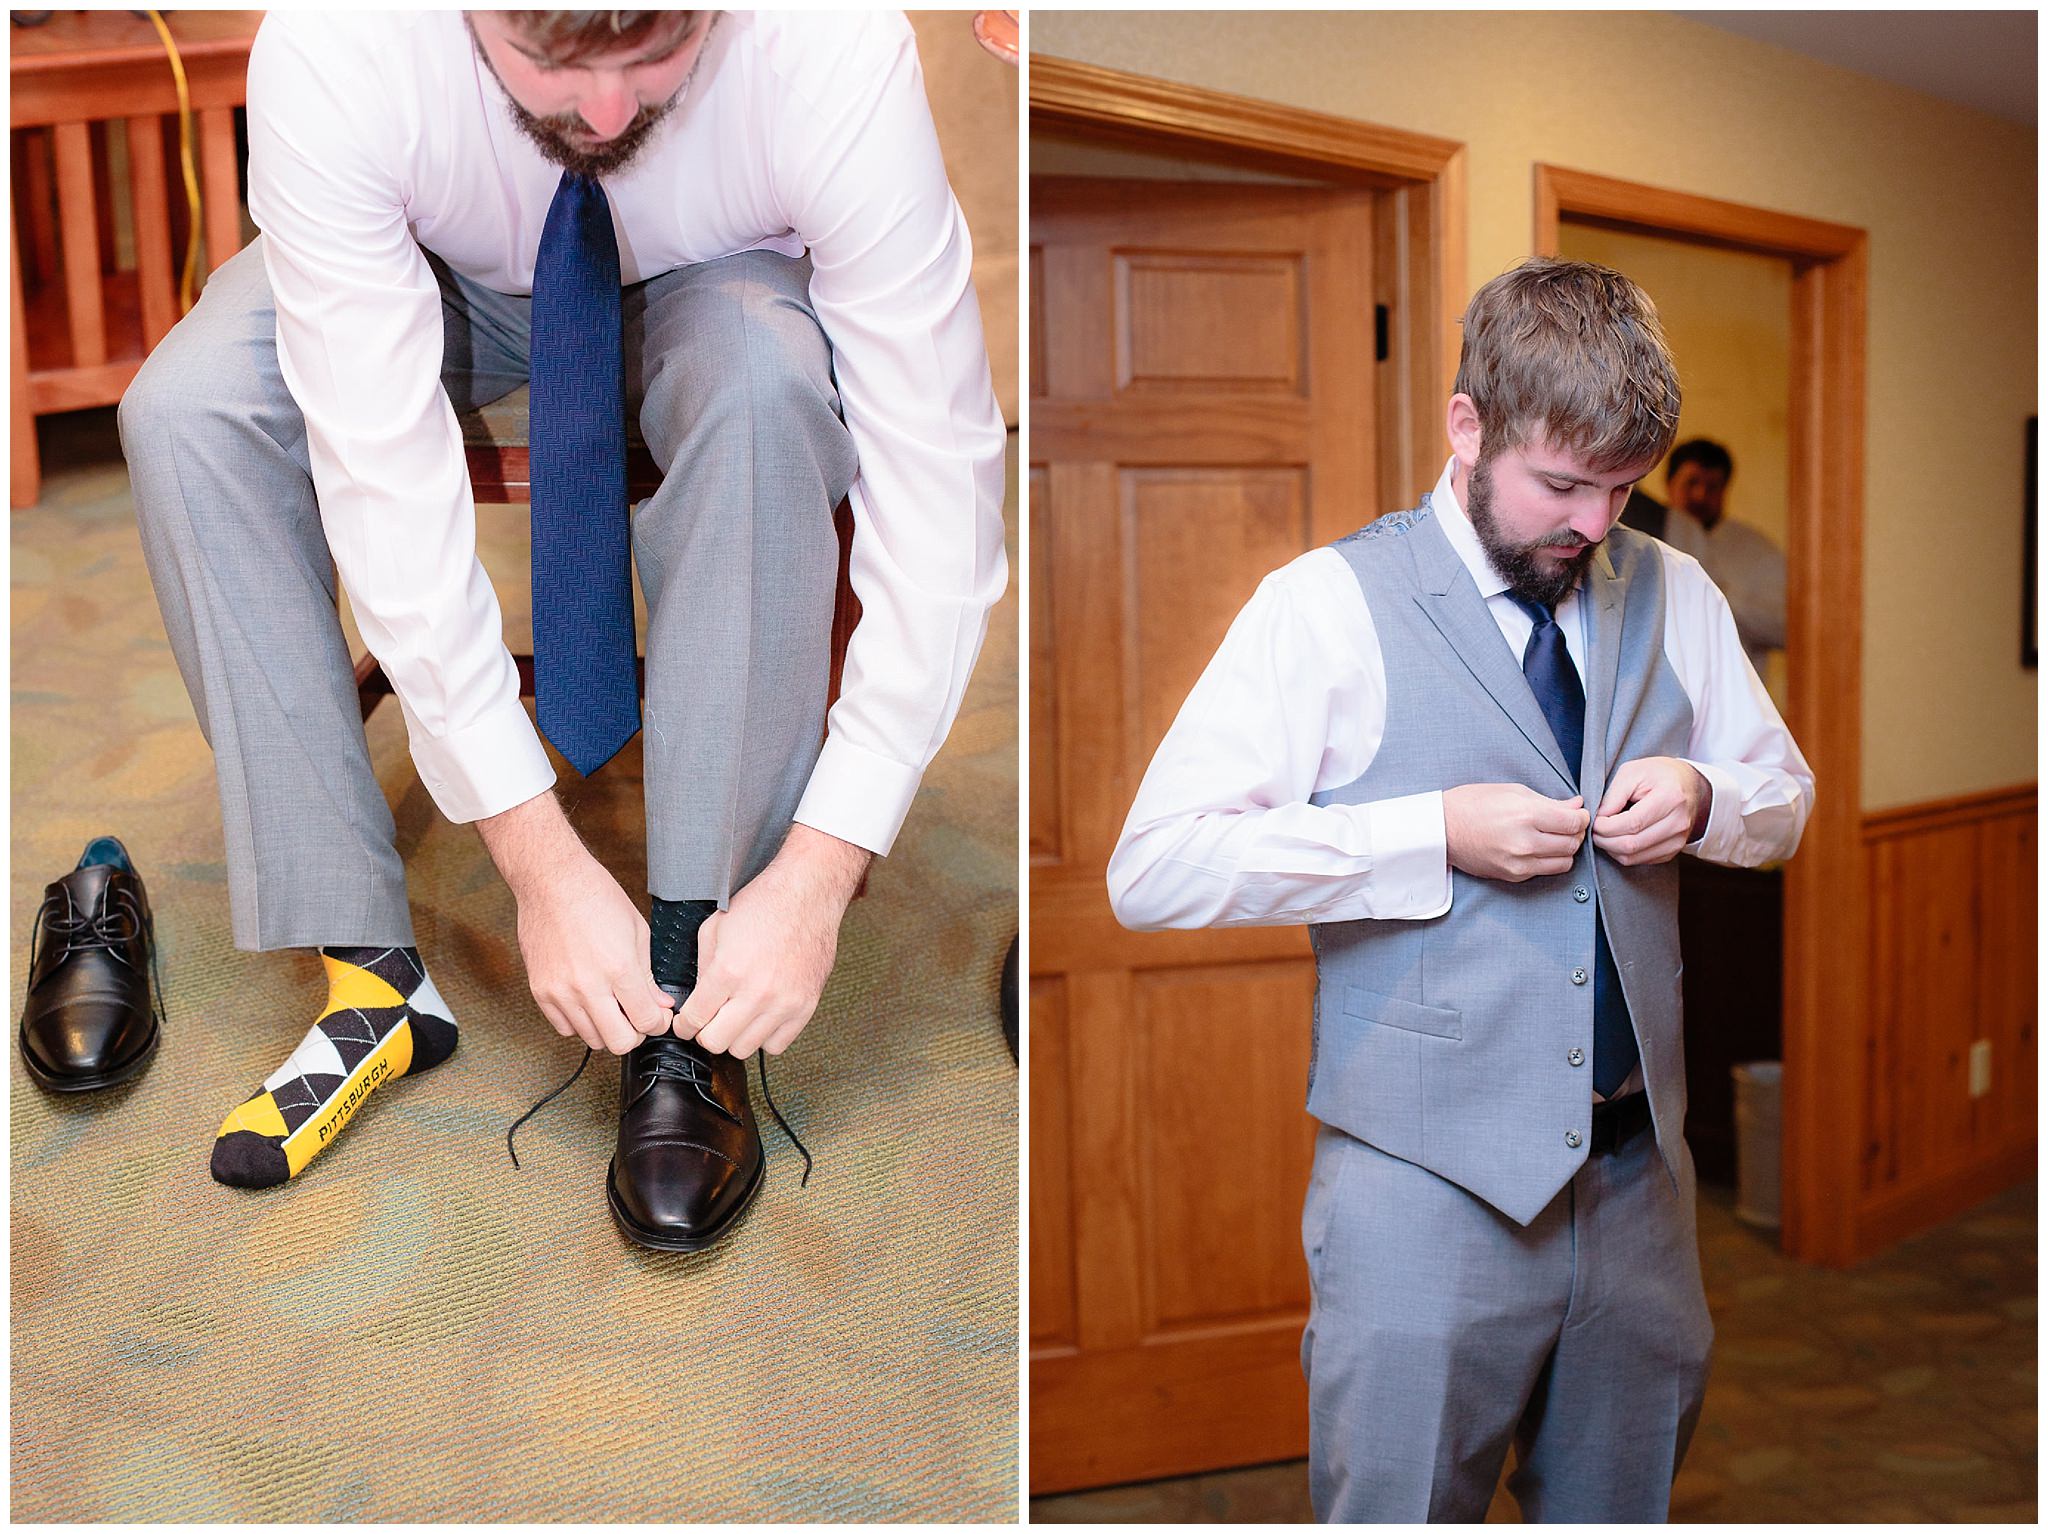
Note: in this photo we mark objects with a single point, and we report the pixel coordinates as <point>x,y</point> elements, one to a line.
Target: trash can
<point>1759,1092</point>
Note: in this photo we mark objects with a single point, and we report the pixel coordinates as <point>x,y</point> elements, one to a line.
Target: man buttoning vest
<point>1465,744</point>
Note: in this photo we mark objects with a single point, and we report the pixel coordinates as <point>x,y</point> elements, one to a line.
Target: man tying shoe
<point>738,228</point>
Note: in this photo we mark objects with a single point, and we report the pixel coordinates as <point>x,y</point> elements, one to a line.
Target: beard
<point>552,136</point>
<point>556,137</point>
<point>1529,576</point>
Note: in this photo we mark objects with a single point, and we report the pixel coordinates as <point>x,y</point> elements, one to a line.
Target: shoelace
<point>668,1060</point>
<point>110,928</point>
<point>673,1063</point>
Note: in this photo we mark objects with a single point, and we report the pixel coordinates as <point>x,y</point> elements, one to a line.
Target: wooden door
<point>1202,377</point>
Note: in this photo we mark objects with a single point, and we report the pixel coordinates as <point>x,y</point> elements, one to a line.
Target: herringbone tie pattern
<point>585,692</point>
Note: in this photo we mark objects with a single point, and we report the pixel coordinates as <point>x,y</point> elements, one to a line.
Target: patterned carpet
<point>1900,1391</point>
<point>412,1330</point>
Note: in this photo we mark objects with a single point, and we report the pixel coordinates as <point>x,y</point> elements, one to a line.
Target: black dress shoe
<point>689,1159</point>
<point>91,1018</point>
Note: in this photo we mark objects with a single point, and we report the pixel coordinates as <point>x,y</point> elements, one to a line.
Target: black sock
<point>672,942</point>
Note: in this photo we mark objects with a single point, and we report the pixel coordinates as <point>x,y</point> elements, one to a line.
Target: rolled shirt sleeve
<point>359,339</point>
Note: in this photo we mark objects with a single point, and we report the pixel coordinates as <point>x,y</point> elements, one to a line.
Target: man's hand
<point>1652,808</point>
<point>1509,832</point>
<point>582,937</point>
<point>763,963</point>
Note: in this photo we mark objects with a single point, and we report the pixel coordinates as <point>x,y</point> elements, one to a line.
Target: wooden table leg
<point>77,220</point>
<point>222,193</point>
<point>36,206</point>
<point>25,476</point>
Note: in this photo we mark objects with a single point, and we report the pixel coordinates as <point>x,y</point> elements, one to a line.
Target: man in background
<point>1744,563</point>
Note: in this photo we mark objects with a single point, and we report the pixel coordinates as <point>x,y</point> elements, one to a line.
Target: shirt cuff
<point>1411,864</point>
<point>858,796</point>
<point>1724,816</point>
<point>488,768</point>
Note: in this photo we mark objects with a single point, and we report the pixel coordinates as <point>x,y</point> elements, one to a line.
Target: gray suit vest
<point>1464,1043</point>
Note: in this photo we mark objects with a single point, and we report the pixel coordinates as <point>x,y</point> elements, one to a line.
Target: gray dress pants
<point>731,378</point>
<point>1441,1332</point>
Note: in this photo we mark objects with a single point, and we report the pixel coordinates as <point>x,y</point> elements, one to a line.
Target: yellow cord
<point>191,273</point>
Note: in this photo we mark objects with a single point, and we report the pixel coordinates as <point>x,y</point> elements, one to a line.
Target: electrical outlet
<point>1980,1067</point>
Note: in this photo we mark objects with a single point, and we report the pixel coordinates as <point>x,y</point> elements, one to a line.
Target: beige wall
<point>1947,195</point>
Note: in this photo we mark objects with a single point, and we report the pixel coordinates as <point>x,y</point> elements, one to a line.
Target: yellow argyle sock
<point>383,1019</point>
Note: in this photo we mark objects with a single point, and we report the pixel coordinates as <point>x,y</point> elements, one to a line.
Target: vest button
<point>1571,1138</point>
<point>1582,894</point>
<point>1578,977</point>
<point>1577,1057</point>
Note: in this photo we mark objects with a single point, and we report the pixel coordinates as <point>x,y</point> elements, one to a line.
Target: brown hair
<point>1576,350</point>
<point>568,36</point>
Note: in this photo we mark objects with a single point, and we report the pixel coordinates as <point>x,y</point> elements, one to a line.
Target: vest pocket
<point>1408,1016</point>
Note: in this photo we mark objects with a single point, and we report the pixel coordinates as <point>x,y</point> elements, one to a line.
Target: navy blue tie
<point>1547,663</point>
<point>585,687</point>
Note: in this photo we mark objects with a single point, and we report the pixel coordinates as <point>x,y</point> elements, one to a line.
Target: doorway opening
<point>1720,496</point>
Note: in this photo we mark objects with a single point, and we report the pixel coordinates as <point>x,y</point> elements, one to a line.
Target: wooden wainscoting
<point>1953,958</point>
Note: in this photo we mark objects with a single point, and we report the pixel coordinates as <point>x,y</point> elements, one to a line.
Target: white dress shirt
<point>375,137</point>
<point>1748,568</point>
<point>1294,701</point>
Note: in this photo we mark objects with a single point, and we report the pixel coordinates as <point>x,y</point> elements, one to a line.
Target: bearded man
<point>1465,744</point>
<point>733,229</point>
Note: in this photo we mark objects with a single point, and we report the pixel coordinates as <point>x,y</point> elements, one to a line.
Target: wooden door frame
<point>1419,263</point>
<point>1826,901</point>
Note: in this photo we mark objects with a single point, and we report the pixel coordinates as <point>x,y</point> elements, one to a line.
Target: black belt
<point>1617,1121</point>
